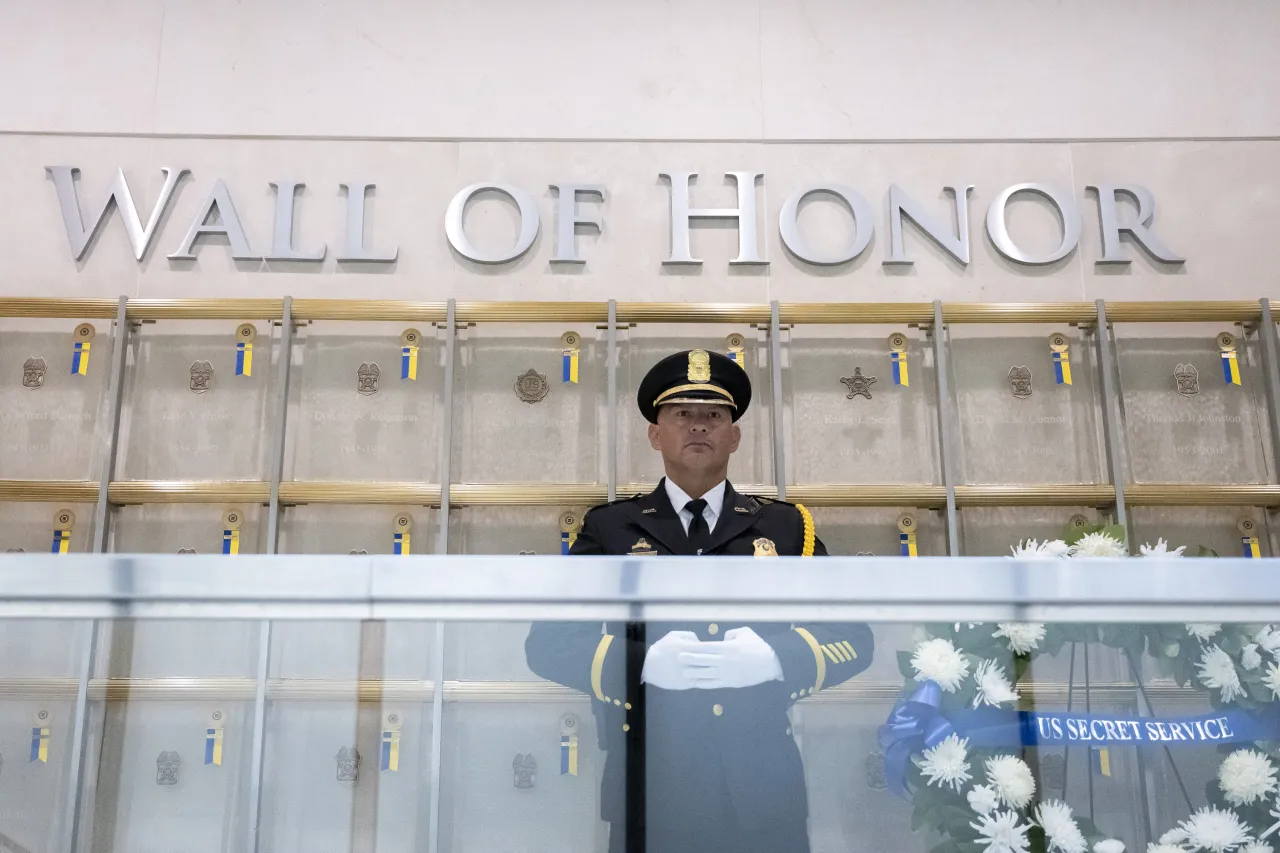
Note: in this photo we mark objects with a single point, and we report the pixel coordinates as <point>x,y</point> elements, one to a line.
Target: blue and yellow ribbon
<point>569,352</point>
<point>569,527</point>
<point>1101,760</point>
<point>40,737</point>
<point>568,755</point>
<point>409,363</point>
<point>1230,361</point>
<point>61,542</point>
<point>246,334</point>
<point>80,349</point>
<point>401,544</point>
<point>63,521</point>
<point>907,535</point>
<point>1250,547</point>
<point>390,754</point>
<point>400,541</point>
<point>213,740</point>
<point>231,531</point>
<point>735,348</point>
<point>1060,348</point>
<point>898,359</point>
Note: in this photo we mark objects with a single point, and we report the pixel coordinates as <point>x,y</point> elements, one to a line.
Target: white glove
<point>742,659</point>
<point>662,666</point>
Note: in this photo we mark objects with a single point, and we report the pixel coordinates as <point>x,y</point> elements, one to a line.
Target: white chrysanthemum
<point>1272,679</point>
<point>1217,671</point>
<point>1030,549</point>
<point>1023,637</point>
<point>1060,828</point>
<point>1098,545</point>
<point>982,799</point>
<point>947,764</point>
<point>939,661</point>
<point>1161,549</point>
<point>1164,848</point>
<point>1257,847</point>
<point>1268,638</point>
<point>1246,776</point>
<point>1000,832</point>
<point>1174,836</point>
<point>1203,631</point>
<point>1011,779</point>
<point>1216,830</point>
<point>1109,845</point>
<point>1249,657</point>
<point>993,685</point>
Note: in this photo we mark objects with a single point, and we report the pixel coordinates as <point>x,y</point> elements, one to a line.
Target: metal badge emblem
<point>1188,379</point>
<point>367,378</point>
<point>167,764</point>
<point>699,366</point>
<point>526,769</point>
<point>528,554</point>
<point>201,376</point>
<point>531,386</point>
<point>877,780</point>
<point>359,552</point>
<point>1020,381</point>
<point>642,548</point>
<point>765,548</point>
<point>865,554</point>
<point>186,550</point>
<point>15,550</point>
<point>348,764</point>
<point>859,385</point>
<point>33,370</point>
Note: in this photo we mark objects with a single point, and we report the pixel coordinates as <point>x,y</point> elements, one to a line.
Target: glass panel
<point>334,529</point>
<point>29,527</point>
<point>640,350</point>
<point>49,415</point>
<point>183,528</point>
<point>1183,421</point>
<point>1017,425</point>
<point>855,432</point>
<point>349,426</point>
<point>187,415</point>
<point>536,429</point>
<point>993,531</point>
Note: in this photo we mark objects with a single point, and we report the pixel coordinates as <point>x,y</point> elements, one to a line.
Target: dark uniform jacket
<point>723,768</point>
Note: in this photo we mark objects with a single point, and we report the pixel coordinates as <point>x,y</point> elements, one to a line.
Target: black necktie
<point>699,533</point>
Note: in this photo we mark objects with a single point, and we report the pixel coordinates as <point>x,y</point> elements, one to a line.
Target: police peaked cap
<point>694,376</point>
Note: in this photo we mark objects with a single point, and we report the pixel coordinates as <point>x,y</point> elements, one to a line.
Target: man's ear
<point>735,438</point>
<point>653,437</point>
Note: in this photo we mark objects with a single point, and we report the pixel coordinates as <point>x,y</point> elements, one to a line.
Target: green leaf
<point>904,665</point>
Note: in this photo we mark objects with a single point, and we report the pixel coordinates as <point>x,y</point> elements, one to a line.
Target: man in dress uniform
<point>723,773</point>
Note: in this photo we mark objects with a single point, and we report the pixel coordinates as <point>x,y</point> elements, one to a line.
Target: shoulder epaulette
<point>615,501</point>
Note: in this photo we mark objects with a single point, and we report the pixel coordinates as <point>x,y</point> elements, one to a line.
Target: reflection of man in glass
<point>723,773</point>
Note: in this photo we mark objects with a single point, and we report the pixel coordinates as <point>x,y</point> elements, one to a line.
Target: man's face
<point>695,437</point>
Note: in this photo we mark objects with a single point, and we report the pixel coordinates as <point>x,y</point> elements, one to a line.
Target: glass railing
<point>460,704</point>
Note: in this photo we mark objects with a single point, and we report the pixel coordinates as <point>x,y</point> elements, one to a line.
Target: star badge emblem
<point>859,385</point>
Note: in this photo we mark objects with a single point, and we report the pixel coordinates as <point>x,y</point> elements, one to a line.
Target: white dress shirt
<point>714,499</point>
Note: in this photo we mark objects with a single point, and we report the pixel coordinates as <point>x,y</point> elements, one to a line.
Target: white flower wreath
<point>1000,811</point>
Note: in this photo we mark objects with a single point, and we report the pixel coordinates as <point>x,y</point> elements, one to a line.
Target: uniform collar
<point>714,497</point>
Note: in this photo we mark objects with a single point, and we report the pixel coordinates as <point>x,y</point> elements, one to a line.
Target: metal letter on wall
<point>64,181</point>
<point>900,203</point>
<point>998,229</point>
<point>353,248</point>
<point>863,225</point>
<point>282,248</point>
<point>567,219</point>
<point>228,225</point>
<point>745,213</point>
<point>1108,216</point>
<point>457,234</point>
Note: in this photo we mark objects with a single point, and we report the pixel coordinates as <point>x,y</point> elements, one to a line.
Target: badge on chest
<point>642,549</point>
<point>765,548</point>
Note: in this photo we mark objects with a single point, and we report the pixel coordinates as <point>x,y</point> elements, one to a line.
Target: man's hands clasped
<point>680,661</point>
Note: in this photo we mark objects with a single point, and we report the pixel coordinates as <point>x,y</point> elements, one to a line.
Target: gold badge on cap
<point>765,548</point>
<point>699,366</point>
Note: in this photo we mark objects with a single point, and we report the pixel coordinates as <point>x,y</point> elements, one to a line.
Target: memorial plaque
<point>48,415</point>
<point>151,804</point>
<point>512,427</point>
<point>1016,428</point>
<point>306,807</point>
<point>218,433</point>
<point>1180,431</point>
<point>349,426</point>
<point>639,350</point>
<point>35,794</point>
<point>993,531</point>
<point>495,650</point>
<point>343,528</point>
<point>481,808</point>
<point>1215,528</point>
<point>837,436</point>
<point>29,527</point>
<point>170,528</point>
